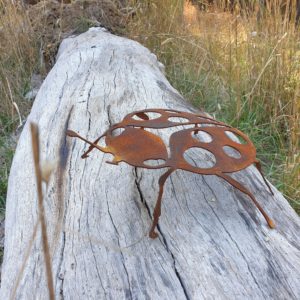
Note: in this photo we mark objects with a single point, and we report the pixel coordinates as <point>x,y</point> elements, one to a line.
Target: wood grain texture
<point>213,243</point>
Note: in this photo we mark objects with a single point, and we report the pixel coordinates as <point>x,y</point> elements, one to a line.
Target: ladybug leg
<point>240,187</point>
<point>258,166</point>
<point>85,154</point>
<point>157,209</point>
<point>72,133</point>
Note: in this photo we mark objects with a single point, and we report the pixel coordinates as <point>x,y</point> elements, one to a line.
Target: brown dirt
<point>54,20</point>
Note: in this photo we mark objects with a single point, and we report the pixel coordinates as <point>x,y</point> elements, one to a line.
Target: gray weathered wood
<point>213,243</point>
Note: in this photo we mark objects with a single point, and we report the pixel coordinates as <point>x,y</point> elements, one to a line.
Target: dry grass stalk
<point>41,220</point>
<point>36,157</point>
<point>18,56</point>
<point>14,104</point>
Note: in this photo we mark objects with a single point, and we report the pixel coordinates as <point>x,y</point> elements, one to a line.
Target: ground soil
<point>54,20</point>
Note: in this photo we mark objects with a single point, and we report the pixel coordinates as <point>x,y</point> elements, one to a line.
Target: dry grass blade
<point>18,56</point>
<point>27,253</point>
<point>14,104</point>
<point>36,157</point>
<point>266,65</point>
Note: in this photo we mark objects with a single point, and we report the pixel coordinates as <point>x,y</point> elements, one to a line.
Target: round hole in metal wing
<point>199,158</point>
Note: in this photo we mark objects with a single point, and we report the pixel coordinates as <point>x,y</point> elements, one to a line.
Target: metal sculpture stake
<point>135,146</point>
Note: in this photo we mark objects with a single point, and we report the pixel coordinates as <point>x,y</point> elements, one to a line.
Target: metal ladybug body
<point>136,145</point>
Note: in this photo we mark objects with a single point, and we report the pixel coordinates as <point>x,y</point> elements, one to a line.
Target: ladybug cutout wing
<point>135,146</point>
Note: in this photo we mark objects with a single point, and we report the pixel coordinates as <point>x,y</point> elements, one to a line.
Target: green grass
<point>83,24</point>
<point>252,120</point>
<point>7,148</point>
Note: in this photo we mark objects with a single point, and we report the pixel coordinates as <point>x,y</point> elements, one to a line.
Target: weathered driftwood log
<point>213,242</point>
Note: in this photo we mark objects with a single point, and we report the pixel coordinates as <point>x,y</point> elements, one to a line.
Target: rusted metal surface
<point>130,141</point>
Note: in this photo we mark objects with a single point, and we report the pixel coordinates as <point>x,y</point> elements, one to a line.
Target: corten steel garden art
<point>136,146</point>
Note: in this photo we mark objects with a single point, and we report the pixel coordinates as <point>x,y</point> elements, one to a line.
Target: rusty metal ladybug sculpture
<point>136,145</point>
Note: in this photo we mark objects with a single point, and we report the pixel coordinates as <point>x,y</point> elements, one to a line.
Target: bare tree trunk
<point>213,242</point>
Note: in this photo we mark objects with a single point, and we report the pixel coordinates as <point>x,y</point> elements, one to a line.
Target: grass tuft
<point>18,53</point>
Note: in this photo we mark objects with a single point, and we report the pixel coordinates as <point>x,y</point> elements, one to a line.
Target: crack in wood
<point>163,238</point>
<point>109,115</point>
<point>121,253</point>
<point>59,268</point>
<point>64,153</point>
<point>137,184</point>
<point>240,251</point>
<point>59,101</point>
